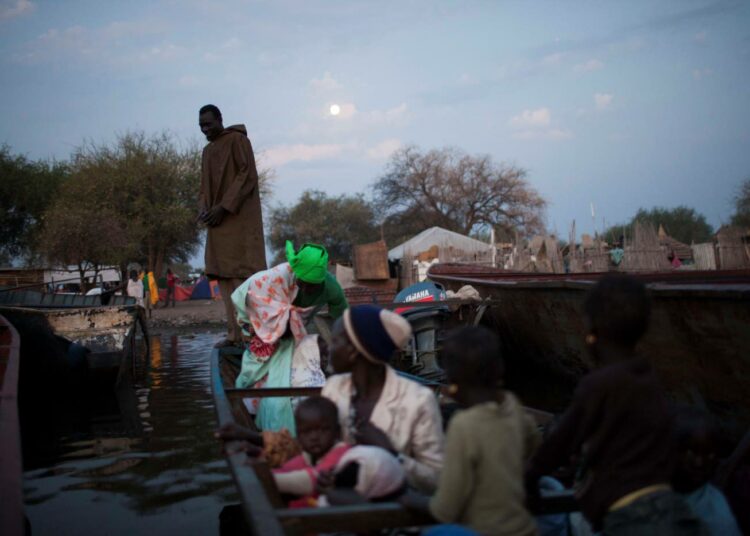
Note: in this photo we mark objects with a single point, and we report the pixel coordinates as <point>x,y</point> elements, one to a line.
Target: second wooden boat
<point>698,341</point>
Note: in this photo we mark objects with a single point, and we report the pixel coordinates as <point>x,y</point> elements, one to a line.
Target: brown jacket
<point>620,416</point>
<point>235,248</point>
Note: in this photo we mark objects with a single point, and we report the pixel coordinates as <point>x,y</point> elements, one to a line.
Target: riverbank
<point>190,314</point>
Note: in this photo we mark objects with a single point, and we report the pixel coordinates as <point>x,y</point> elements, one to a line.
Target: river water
<point>141,461</point>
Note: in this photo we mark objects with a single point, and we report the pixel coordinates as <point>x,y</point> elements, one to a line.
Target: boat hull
<point>12,520</point>
<point>104,331</point>
<point>698,339</point>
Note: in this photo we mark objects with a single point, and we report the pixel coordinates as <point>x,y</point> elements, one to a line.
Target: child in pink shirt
<point>319,435</point>
<point>352,473</point>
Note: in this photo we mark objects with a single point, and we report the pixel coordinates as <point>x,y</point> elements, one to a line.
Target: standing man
<point>229,206</point>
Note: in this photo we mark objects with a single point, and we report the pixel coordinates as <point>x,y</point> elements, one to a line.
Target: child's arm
<point>300,482</point>
<point>575,426</point>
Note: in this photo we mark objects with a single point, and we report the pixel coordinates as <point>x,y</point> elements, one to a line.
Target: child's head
<point>694,436</point>
<point>318,427</point>
<point>617,312</point>
<point>471,359</point>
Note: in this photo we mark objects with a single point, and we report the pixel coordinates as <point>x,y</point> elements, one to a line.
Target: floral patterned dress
<point>265,311</point>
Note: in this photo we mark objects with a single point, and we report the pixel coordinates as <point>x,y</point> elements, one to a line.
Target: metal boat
<point>104,332</point>
<point>699,338</point>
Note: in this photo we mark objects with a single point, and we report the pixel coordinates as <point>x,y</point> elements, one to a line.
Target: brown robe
<point>235,248</point>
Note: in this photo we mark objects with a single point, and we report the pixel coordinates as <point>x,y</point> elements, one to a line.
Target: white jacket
<point>409,415</point>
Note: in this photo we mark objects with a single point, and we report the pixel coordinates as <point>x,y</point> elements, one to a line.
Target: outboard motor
<point>426,321</point>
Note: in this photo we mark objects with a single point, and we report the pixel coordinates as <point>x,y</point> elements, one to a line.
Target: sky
<point>617,104</point>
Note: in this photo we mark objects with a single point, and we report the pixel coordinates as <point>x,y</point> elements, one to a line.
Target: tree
<point>741,217</point>
<point>26,191</point>
<point>681,223</point>
<point>145,188</point>
<point>334,222</point>
<point>457,191</point>
<point>82,235</point>
<point>266,177</point>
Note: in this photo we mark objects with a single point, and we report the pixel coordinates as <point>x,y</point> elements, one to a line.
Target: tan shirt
<point>481,484</point>
<point>409,415</point>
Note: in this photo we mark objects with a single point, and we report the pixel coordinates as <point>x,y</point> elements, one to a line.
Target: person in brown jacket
<point>619,423</point>
<point>229,205</point>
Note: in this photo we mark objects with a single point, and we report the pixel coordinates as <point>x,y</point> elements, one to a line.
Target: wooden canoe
<point>260,501</point>
<point>106,331</point>
<point>698,339</point>
<point>11,507</point>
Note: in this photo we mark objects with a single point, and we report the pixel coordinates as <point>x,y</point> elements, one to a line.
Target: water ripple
<point>164,471</point>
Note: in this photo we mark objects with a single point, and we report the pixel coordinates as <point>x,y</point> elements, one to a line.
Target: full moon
<point>335,109</point>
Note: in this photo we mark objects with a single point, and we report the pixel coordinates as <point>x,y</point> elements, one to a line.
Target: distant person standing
<point>148,302</point>
<point>171,280</point>
<point>135,288</point>
<point>229,205</point>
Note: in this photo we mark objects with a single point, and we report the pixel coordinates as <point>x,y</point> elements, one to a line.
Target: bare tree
<point>457,191</point>
<point>741,217</point>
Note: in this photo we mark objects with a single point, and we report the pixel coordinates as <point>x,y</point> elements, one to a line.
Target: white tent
<point>108,274</point>
<point>443,239</point>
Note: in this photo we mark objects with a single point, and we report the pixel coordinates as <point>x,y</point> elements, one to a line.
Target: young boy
<point>319,435</point>
<point>481,484</point>
<point>695,448</point>
<point>619,421</point>
<point>369,472</point>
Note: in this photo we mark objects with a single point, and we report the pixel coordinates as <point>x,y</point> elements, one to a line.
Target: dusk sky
<point>623,104</point>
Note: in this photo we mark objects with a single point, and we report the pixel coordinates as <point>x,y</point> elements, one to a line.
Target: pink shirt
<point>299,477</point>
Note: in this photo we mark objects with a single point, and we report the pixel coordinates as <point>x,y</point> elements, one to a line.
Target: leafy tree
<point>26,190</point>
<point>334,222</point>
<point>741,216</point>
<point>457,191</point>
<point>147,189</point>
<point>681,223</point>
<point>82,235</point>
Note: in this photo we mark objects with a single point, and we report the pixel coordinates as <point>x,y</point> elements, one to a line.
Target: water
<point>153,467</point>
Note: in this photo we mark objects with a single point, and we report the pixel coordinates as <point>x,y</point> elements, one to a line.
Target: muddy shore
<point>206,315</point>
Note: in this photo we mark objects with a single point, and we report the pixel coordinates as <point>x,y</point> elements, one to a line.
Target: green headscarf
<point>310,263</point>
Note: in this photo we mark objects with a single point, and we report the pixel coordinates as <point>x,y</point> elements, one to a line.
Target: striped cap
<point>375,332</point>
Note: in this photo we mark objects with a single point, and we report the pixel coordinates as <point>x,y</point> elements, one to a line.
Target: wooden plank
<point>558,502</point>
<point>271,392</point>
<point>258,511</point>
<point>374,516</point>
<point>359,518</point>
<point>371,261</point>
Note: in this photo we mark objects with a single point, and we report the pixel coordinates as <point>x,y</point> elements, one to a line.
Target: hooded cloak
<point>235,248</point>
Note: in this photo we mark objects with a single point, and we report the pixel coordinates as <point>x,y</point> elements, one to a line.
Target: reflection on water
<point>151,468</point>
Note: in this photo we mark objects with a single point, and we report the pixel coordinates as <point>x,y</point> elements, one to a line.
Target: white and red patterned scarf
<point>269,308</point>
